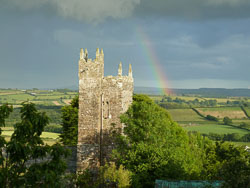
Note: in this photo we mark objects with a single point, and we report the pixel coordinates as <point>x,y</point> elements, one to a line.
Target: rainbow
<point>153,61</point>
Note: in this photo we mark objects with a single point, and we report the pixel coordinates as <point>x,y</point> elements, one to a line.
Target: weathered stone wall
<point>101,102</point>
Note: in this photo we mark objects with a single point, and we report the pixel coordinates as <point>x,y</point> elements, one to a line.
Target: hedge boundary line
<point>245,112</point>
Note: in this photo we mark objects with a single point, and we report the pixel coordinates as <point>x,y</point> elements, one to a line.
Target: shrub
<point>227,121</point>
<point>53,128</point>
<point>211,118</point>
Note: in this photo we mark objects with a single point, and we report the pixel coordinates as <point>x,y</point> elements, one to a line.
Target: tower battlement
<point>99,60</point>
<point>101,102</point>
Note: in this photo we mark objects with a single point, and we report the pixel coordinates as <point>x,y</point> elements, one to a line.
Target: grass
<point>221,112</point>
<point>216,128</point>
<point>188,98</point>
<point>241,143</point>
<point>48,137</point>
<point>43,97</point>
<point>238,122</point>
<point>191,98</point>
<point>184,115</point>
<point>248,110</point>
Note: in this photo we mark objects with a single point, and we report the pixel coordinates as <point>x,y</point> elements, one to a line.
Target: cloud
<point>93,11</point>
<point>194,9</point>
<point>73,38</point>
<point>210,83</point>
<point>226,2</point>
<point>212,63</point>
<point>96,11</point>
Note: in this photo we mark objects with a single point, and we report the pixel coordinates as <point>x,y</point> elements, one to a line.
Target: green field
<point>48,101</point>
<point>221,112</point>
<point>216,128</point>
<point>41,97</point>
<point>51,101</point>
<point>239,121</point>
<point>191,121</point>
<point>241,143</point>
<point>48,137</point>
<point>248,111</point>
<point>184,115</point>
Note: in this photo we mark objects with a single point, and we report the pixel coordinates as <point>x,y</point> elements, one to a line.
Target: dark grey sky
<point>199,43</point>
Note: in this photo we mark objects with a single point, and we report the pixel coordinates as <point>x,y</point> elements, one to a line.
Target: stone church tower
<point>101,101</point>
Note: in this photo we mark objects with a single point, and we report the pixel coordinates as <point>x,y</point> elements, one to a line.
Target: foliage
<point>5,111</point>
<point>170,102</point>
<point>110,175</point>
<point>229,163</point>
<point>227,121</point>
<point>246,138</point>
<point>70,122</point>
<point>198,112</point>
<point>245,125</point>
<point>82,179</point>
<point>107,176</point>
<point>155,147</point>
<point>212,118</point>
<point>228,137</point>
<point>53,112</point>
<point>53,128</point>
<point>18,166</point>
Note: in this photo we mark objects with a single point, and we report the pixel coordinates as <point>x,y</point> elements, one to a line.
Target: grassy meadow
<point>51,101</point>
<point>184,115</point>
<point>48,137</point>
<point>221,112</point>
<point>192,121</point>
<point>216,128</point>
<point>39,97</point>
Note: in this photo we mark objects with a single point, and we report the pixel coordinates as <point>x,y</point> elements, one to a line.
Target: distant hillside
<point>205,92</point>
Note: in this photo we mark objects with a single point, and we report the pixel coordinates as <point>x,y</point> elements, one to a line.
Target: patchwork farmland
<point>181,109</point>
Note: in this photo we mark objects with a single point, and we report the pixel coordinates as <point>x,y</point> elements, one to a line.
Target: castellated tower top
<point>100,59</point>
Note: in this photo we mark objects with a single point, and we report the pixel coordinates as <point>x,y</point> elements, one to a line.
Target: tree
<point>70,122</point>
<point>110,176</point>
<point>227,121</point>
<point>5,111</point>
<point>18,166</point>
<point>227,162</point>
<point>211,118</point>
<point>155,147</point>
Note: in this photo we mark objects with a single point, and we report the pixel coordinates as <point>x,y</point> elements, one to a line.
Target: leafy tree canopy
<point>18,166</point>
<point>70,122</point>
<point>227,121</point>
<point>154,146</point>
<point>227,162</point>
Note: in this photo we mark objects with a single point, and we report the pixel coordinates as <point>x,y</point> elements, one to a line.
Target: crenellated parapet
<point>84,56</point>
<point>97,65</point>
